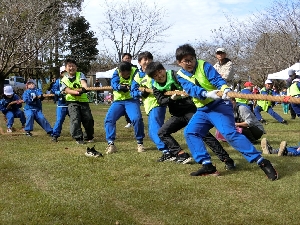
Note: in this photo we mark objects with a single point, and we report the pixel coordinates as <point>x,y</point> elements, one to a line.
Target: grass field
<point>55,183</point>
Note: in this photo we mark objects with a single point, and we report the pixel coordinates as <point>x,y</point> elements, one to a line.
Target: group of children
<point>195,106</point>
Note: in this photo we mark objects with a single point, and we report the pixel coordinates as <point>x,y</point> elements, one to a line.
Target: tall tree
<point>82,43</point>
<point>133,26</point>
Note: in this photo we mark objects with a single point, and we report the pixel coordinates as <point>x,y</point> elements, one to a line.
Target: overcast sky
<point>192,19</point>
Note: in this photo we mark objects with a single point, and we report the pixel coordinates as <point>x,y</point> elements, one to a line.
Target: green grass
<point>55,183</point>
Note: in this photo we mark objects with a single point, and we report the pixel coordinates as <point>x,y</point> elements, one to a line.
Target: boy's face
<point>145,62</point>
<point>31,85</point>
<point>188,63</point>
<point>125,74</point>
<point>126,58</point>
<point>268,86</point>
<point>160,76</point>
<point>71,68</point>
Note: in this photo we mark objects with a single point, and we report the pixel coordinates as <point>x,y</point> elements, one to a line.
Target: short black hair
<point>69,60</point>
<point>126,54</point>
<point>124,66</point>
<point>184,50</point>
<point>153,67</point>
<point>146,55</point>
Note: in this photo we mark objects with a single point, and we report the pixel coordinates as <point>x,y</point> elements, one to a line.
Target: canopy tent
<point>283,74</point>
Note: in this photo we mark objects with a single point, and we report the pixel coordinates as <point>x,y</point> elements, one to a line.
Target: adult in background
<point>74,85</point>
<point>246,120</point>
<point>224,66</point>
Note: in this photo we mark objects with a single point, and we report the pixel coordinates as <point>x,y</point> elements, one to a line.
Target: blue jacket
<point>5,101</point>
<point>56,89</point>
<point>30,101</point>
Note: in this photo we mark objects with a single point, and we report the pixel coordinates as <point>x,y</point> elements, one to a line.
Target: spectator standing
<point>224,66</point>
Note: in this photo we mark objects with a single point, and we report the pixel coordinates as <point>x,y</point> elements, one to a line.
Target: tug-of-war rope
<point>232,94</point>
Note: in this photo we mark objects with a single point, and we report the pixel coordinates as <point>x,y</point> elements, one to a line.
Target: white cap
<point>31,81</point>
<point>296,80</point>
<point>268,82</point>
<point>221,50</point>
<point>297,72</point>
<point>62,68</point>
<point>8,90</point>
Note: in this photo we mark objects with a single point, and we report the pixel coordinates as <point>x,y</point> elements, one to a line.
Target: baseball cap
<point>220,50</point>
<point>291,72</point>
<point>268,82</point>
<point>248,84</point>
<point>8,90</point>
<point>31,81</point>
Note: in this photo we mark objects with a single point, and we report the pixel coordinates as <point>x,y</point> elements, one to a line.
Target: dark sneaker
<point>207,169</point>
<point>183,158</point>
<point>262,121</point>
<point>265,146</point>
<point>29,134</point>
<point>282,149</point>
<point>80,141</point>
<point>229,164</point>
<point>54,139</point>
<point>166,157</point>
<point>91,152</point>
<point>269,170</point>
<point>284,122</point>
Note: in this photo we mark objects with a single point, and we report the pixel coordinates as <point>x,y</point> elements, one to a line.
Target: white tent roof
<point>283,74</point>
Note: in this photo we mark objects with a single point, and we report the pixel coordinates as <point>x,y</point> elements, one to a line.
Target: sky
<point>192,19</point>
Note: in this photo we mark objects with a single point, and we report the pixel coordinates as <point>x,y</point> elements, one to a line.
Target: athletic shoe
<point>91,152</point>
<point>29,134</point>
<point>128,125</point>
<point>183,158</point>
<point>265,146</point>
<point>54,139</point>
<point>229,164</point>
<point>166,157</point>
<point>140,148</point>
<point>262,121</point>
<point>269,170</point>
<point>111,148</point>
<point>9,130</point>
<point>80,141</point>
<point>207,169</point>
<point>282,149</point>
<point>284,122</point>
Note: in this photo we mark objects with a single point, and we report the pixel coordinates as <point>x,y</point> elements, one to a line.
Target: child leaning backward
<point>10,105</point>
<point>201,81</point>
<point>33,109</point>
<point>124,102</point>
<point>181,108</point>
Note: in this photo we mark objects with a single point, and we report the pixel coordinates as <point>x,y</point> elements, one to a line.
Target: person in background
<point>50,89</point>
<point>224,66</point>
<point>248,88</point>
<point>10,105</point>
<point>74,86</point>
<point>246,120</point>
<point>292,75</point>
<point>294,91</point>
<point>33,98</point>
<point>264,105</point>
<point>283,149</point>
<point>285,105</point>
<point>202,82</point>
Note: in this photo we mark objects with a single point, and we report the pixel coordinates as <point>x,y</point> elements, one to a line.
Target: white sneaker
<point>140,148</point>
<point>111,149</point>
<point>128,125</point>
<point>9,130</point>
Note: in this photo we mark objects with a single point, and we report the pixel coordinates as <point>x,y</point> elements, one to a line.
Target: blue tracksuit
<point>219,114</point>
<point>33,111</point>
<point>13,112</point>
<point>296,107</point>
<point>156,116</point>
<point>118,109</point>
<point>61,109</point>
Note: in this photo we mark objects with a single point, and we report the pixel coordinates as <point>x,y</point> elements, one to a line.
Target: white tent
<point>106,74</point>
<point>283,74</point>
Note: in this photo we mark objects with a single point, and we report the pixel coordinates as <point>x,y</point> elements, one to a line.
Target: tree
<point>81,43</point>
<point>132,26</point>
<point>26,27</point>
